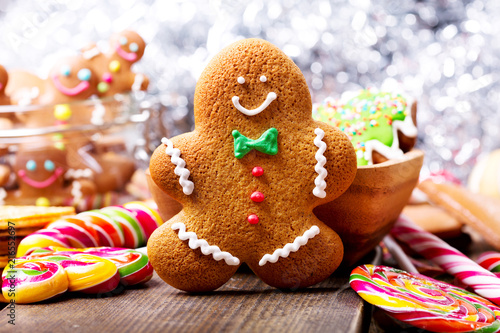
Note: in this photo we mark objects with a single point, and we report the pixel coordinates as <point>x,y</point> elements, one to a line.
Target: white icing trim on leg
<point>290,247</point>
<point>206,249</point>
<point>180,170</point>
<point>319,189</point>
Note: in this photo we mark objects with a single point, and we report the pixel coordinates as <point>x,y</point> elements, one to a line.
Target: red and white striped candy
<point>484,282</point>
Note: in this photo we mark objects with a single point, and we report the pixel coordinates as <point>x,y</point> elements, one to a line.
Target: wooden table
<point>244,304</point>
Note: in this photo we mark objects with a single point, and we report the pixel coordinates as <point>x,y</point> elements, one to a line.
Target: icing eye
<point>123,40</point>
<point>49,165</point>
<point>65,70</point>
<point>84,74</point>
<point>263,78</point>
<point>133,47</point>
<point>241,80</point>
<point>31,165</point>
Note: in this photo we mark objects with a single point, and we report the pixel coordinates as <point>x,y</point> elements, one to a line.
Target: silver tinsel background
<point>446,53</point>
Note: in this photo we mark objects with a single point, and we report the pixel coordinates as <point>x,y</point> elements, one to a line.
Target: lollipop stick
<point>448,258</point>
<point>397,252</point>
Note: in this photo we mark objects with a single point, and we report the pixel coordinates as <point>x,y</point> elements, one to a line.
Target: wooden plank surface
<point>244,304</point>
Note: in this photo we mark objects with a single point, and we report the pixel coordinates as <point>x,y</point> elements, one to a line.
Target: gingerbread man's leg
<point>182,267</point>
<point>310,264</point>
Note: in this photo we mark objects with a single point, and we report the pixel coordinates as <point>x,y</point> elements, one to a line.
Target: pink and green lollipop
<point>482,281</point>
<point>30,281</point>
<point>424,302</point>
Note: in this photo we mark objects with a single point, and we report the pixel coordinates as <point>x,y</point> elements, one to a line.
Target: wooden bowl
<point>366,212</point>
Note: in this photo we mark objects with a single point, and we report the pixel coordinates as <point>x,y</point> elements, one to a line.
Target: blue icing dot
<point>65,70</point>
<point>84,74</point>
<point>31,165</point>
<point>49,165</point>
<point>133,47</point>
<point>123,40</point>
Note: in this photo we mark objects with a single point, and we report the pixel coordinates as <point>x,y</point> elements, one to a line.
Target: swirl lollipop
<point>424,302</point>
<point>86,273</point>
<point>30,281</point>
<point>134,267</point>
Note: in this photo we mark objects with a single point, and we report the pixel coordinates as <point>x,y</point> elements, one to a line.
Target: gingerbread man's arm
<point>170,167</point>
<point>339,162</point>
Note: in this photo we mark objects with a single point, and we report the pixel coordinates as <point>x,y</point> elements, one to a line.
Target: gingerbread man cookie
<point>114,68</point>
<point>249,176</point>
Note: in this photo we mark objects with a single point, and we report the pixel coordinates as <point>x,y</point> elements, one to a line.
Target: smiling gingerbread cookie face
<point>40,171</point>
<point>249,176</point>
<point>128,45</point>
<point>72,78</point>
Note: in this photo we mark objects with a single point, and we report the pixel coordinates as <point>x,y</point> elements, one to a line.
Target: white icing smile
<point>270,97</point>
<point>236,102</point>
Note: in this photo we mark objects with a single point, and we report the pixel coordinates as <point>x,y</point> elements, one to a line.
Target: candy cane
<point>448,258</point>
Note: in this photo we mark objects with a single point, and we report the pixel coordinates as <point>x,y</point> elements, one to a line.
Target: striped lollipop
<point>86,273</point>
<point>482,281</point>
<point>127,226</point>
<point>424,302</point>
<point>133,266</point>
<point>42,238</point>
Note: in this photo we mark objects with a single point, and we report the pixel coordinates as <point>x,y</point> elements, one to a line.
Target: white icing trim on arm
<point>76,192</point>
<point>320,183</point>
<point>206,249</point>
<point>290,247</point>
<point>138,80</point>
<point>180,170</point>
<point>78,173</point>
<point>270,97</point>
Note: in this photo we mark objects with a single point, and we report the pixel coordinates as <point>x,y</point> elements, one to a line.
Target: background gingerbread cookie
<point>114,68</point>
<point>249,176</point>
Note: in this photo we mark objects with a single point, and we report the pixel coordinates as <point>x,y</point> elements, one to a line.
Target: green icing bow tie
<point>267,143</point>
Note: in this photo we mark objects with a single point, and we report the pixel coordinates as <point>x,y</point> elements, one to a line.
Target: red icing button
<point>257,171</point>
<point>253,219</point>
<point>257,196</point>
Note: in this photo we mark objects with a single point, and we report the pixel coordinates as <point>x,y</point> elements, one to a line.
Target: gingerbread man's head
<point>40,171</point>
<point>254,82</point>
<point>127,46</point>
<point>71,79</point>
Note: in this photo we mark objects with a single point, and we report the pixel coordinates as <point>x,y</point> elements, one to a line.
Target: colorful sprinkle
<point>367,116</point>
